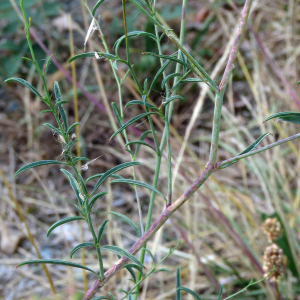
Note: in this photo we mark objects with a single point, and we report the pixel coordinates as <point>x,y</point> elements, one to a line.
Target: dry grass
<point>262,184</point>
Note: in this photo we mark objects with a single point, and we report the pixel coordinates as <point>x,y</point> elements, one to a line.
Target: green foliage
<point>288,116</point>
<point>61,222</point>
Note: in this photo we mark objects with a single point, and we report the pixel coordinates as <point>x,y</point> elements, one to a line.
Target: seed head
<point>272,229</point>
<point>73,136</point>
<point>273,257</point>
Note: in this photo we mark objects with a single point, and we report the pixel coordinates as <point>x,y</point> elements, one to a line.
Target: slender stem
<point>236,44</point>
<point>216,126</point>
<point>153,229</point>
<point>237,158</point>
<point>100,262</point>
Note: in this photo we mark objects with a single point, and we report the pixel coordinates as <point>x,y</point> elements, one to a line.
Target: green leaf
<point>132,34</point>
<point>82,184</point>
<point>190,292</point>
<point>170,58</point>
<point>70,145</point>
<point>221,292</point>
<point>71,127</point>
<point>55,262</point>
<point>37,164</point>
<point>132,121</point>
<point>150,254</point>
<point>101,297</point>
<point>61,108</point>
<point>80,159</point>
<point>169,77</point>
<point>191,80</point>
<point>159,72</point>
<point>45,111</point>
<point>140,143</point>
<point>178,284</point>
<point>27,84</point>
<point>139,5</point>
<point>247,150</point>
<point>127,220</point>
<point>82,55</point>
<point>122,252</point>
<point>94,199</point>
<point>133,266</point>
<point>114,170</point>
<point>172,99</point>
<point>96,6</point>
<point>164,270</point>
<point>107,55</point>
<point>184,58</point>
<point>143,136</point>
<point>53,128</point>
<point>99,175</point>
<point>60,103</point>
<point>101,230</point>
<point>117,113</point>
<point>115,65</point>
<point>143,184</point>
<point>74,185</point>
<point>63,221</point>
<point>140,102</point>
<point>288,116</point>
<point>47,64</point>
<point>130,270</point>
<point>82,245</point>
<point>79,209</point>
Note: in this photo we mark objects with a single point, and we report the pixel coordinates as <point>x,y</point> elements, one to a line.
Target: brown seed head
<point>272,229</point>
<point>273,257</point>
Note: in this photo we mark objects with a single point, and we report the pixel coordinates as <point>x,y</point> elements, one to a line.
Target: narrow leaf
<point>47,64</point>
<point>45,111</point>
<point>178,284</point>
<point>101,297</point>
<point>172,99</point>
<point>94,199</point>
<point>134,266</point>
<point>101,230</point>
<point>74,185</point>
<point>80,159</point>
<point>63,221</point>
<point>191,80</point>
<point>140,143</point>
<point>127,220</point>
<point>99,175</point>
<point>143,136</point>
<point>61,108</point>
<point>108,55</point>
<point>288,116</point>
<point>132,121</point>
<point>122,252</point>
<point>117,113</point>
<point>37,164</point>
<point>96,6</point>
<point>82,245</point>
<point>25,83</point>
<point>82,55</point>
<point>169,77</point>
<point>79,209</point>
<point>55,262</point>
<point>140,102</point>
<point>164,270</point>
<point>60,103</point>
<point>190,292</point>
<point>53,128</point>
<point>249,149</point>
<point>69,145</point>
<point>159,72</point>
<point>72,126</point>
<point>143,184</point>
<point>221,292</point>
<point>114,170</point>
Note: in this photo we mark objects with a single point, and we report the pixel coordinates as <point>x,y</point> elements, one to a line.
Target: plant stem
<point>236,44</point>
<point>216,127</point>
<point>153,229</point>
<point>237,158</point>
<point>100,262</point>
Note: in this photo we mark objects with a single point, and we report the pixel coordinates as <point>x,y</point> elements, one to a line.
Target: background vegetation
<point>221,227</point>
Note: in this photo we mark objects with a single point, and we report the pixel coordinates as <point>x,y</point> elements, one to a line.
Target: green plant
<point>185,65</point>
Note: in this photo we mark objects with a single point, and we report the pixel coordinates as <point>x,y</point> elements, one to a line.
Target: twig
<point>152,230</point>
<point>236,45</point>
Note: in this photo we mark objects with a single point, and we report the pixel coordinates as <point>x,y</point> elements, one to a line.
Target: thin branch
<point>236,45</point>
<point>152,230</point>
<point>237,158</point>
